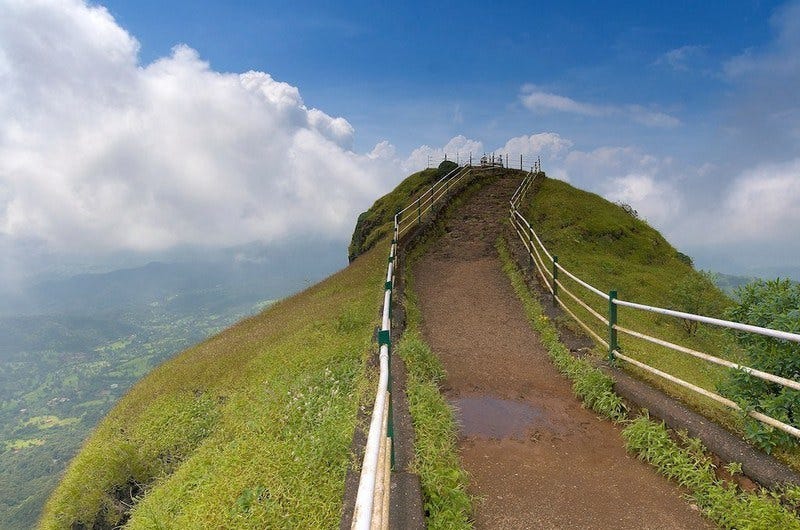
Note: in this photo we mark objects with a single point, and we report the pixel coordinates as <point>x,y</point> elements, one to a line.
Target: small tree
<point>446,167</point>
<point>776,305</point>
<point>691,294</point>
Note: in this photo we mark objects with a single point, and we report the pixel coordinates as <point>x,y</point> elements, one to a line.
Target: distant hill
<point>244,273</point>
<point>71,345</point>
<point>730,283</point>
<point>250,428</point>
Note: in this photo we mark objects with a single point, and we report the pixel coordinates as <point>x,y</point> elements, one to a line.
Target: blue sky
<point>138,128</point>
<point>414,73</point>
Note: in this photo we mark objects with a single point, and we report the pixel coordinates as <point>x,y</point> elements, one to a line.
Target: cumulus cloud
<point>537,100</point>
<point>458,149</point>
<point>762,204</point>
<point>99,152</point>
<point>657,201</point>
<point>629,175</point>
<point>548,145</point>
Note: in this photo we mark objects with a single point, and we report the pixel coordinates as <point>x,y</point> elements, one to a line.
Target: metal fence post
<point>555,280</point>
<point>419,211</point>
<point>612,321</point>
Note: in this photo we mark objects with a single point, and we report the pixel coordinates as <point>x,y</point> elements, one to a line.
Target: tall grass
<point>444,482</point>
<point>251,428</point>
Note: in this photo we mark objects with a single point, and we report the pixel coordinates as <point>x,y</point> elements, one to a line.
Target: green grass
<point>251,428</point>
<point>376,222</point>
<point>680,458</point>
<point>49,421</point>
<point>609,248</point>
<point>17,445</point>
<point>689,464</point>
<point>444,482</point>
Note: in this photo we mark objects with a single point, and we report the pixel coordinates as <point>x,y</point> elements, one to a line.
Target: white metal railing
<point>550,277</point>
<point>492,159</point>
<point>372,499</point>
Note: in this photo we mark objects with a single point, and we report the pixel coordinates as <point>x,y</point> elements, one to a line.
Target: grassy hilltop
<point>252,427</point>
<point>610,247</point>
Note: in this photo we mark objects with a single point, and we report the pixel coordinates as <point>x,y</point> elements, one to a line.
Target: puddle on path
<point>490,417</point>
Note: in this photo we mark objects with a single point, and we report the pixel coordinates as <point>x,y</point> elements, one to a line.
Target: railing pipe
<point>766,376</point>
<point>362,515</point>
<point>775,334</point>
<point>530,240</point>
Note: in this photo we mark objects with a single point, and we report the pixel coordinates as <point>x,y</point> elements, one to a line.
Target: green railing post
<point>384,337</point>
<point>419,211</point>
<point>555,280</point>
<point>612,321</point>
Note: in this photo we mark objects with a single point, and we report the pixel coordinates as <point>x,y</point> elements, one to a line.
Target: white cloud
<point>536,100</point>
<point>678,58</point>
<point>458,149</point>
<point>547,145</point>
<point>762,205</point>
<point>651,118</point>
<point>657,201</point>
<point>780,57</point>
<point>620,174</point>
<point>100,153</point>
<point>762,112</point>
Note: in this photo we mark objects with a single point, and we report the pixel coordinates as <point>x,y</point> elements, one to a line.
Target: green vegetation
<point>689,465</point>
<point>16,445</point>
<point>251,428</point>
<point>610,248</point>
<point>679,458</point>
<point>773,304</point>
<point>60,374</point>
<point>447,504</point>
<point>588,383</point>
<point>729,283</point>
<point>376,222</point>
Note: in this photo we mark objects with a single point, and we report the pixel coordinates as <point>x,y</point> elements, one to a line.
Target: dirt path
<point>536,457</point>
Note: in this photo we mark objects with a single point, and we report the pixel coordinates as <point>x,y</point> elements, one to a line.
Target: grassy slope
<point>602,244</point>
<point>376,223</point>
<point>250,428</point>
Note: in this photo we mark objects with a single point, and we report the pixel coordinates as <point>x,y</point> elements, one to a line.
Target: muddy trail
<point>536,457</point>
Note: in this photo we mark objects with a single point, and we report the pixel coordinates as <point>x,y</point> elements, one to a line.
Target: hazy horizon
<point>131,132</point>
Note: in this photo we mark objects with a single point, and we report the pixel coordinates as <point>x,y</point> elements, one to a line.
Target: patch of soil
<point>557,465</point>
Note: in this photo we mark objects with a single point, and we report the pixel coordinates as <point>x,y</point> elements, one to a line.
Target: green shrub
<point>446,167</point>
<point>773,304</point>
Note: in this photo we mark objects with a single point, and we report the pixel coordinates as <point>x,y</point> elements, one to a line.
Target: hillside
<point>251,427</point>
<point>611,248</point>
<point>72,344</point>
